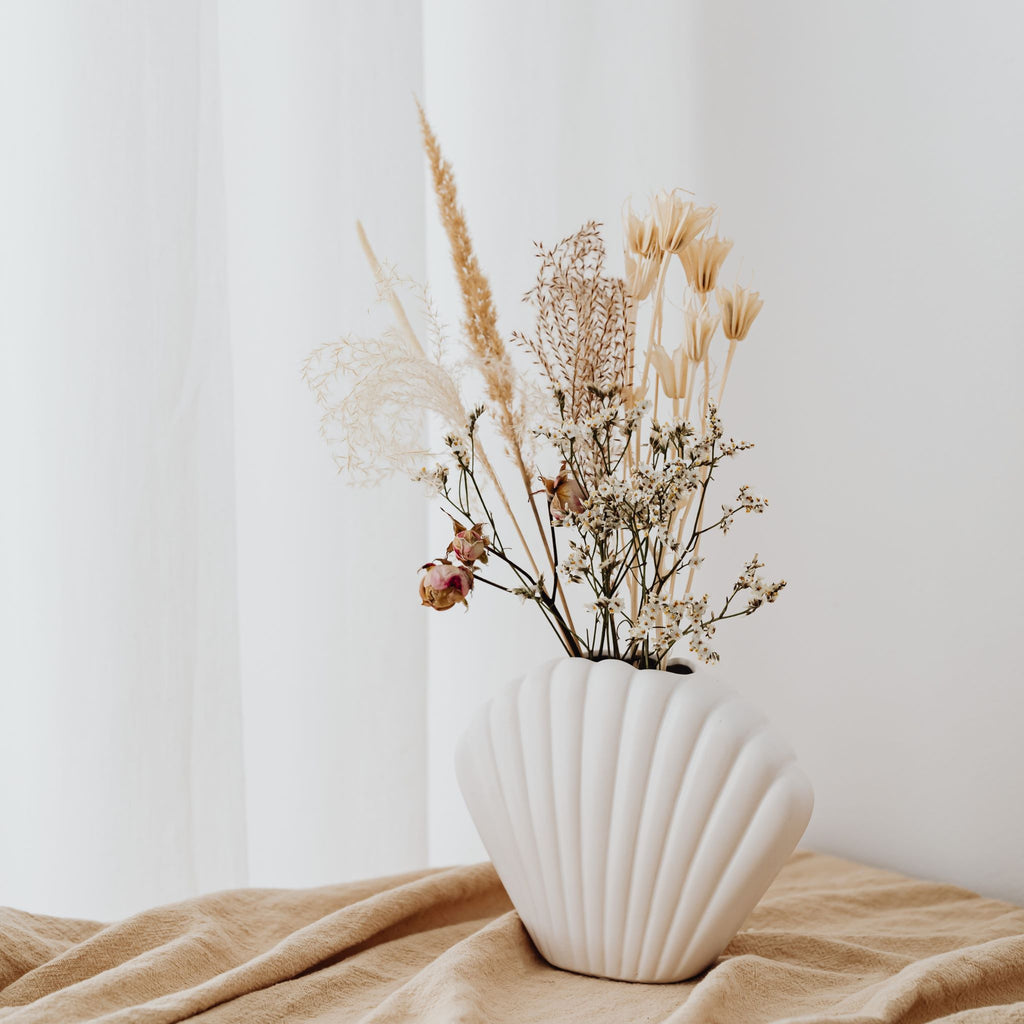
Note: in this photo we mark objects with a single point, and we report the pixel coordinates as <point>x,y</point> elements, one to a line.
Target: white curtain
<point>120,768</point>
<point>195,690</point>
<point>213,668</point>
<point>319,129</point>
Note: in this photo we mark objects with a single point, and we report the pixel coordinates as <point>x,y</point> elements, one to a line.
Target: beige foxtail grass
<point>485,341</point>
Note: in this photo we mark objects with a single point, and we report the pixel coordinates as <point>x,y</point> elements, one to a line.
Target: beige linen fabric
<point>831,941</point>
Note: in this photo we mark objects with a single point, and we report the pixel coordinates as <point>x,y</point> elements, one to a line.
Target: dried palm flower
<point>679,221</point>
<point>641,235</point>
<point>672,370</point>
<point>641,275</point>
<point>698,328</point>
<point>739,310</point>
<point>702,259</point>
<point>583,322</point>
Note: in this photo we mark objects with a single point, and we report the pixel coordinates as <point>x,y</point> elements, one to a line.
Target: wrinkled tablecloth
<point>831,941</point>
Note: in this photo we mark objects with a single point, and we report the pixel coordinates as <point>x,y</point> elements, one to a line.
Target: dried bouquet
<point>614,443</point>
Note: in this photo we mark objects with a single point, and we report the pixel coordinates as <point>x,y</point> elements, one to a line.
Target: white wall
<point>866,157</point>
<point>866,160</point>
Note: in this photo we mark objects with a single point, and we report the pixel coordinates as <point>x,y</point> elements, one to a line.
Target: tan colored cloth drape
<point>831,941</point>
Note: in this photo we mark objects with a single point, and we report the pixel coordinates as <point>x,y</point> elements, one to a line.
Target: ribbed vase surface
<point>634,816</point>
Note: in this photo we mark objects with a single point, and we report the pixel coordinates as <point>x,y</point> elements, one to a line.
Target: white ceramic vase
<point>634,817</point>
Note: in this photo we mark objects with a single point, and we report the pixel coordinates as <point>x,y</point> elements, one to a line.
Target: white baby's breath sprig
<point>435,480</point>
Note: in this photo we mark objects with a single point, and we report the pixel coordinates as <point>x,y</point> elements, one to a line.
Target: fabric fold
<point>832,941</point>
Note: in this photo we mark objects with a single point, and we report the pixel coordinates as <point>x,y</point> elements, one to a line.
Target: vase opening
<point>681,668</point>
<point>677,666</point>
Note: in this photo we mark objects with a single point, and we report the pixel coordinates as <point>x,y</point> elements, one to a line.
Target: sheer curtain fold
<point>184,672</point>
<point>122,780</point>
<point>320,129</point>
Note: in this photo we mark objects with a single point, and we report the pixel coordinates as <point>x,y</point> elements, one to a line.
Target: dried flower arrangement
<point>625,511</point>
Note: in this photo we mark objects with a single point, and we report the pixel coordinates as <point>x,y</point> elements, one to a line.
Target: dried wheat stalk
<point>481,327</point>
<point>481,321</point>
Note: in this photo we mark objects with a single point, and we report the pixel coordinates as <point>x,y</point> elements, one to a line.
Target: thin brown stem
<point>544,538</point>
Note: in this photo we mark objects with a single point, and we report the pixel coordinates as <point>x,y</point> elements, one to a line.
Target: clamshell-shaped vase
<point>634,816</point>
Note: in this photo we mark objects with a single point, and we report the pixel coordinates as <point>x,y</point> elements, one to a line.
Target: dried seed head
<point>640,234</point>
<point>739,310</point>
<point>699,327</point>
<point>672,370</point>
<point>679,221</point>
<point>641,275</point>
<point>702,259</point>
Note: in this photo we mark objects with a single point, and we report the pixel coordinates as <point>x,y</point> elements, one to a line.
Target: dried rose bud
<point>469,543</point>
<point>564,495</point>
<point>445,585</point>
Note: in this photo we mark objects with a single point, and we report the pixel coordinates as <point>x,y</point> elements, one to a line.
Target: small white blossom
<point>751,502</point>
<point>732,446</point>
<point>527,593</point>
<point>459,447</point>
<point>575,564</point>
<point>434,480</point>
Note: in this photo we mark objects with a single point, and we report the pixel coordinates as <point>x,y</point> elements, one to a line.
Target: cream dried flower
<point>640,234</point>
<point>671,370</point>
<point>739,310</point>
<point>699,327</point>
<point>679,221</point>
<point>641,275</point>
<point>702,259</point>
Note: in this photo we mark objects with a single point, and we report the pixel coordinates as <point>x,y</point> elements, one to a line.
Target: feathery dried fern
<point>583,322</point>
<point>368,390</point>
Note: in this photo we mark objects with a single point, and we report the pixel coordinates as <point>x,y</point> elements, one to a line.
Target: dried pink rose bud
<point>445,585</point>
<point>469,543</point>
<point>564,495</point>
